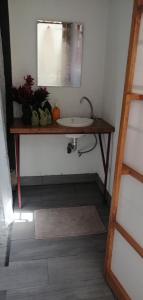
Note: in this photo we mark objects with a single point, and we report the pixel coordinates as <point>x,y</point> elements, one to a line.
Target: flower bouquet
<point>31,100</point>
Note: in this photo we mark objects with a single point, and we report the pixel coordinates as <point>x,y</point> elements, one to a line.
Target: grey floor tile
<point>49,188</point>
<point>88,188</point>
<point>75,265</point>
<point>32,293</point>
<point>24,230</point>
<point>24,250</point>
<point>50,192</point>
<point>3,238</point>
<point>87,292</point>
<point>23,274</point>
<point>73,270</point>
<point>60,195</point>
<point>49,202</point>
<point>3,295</point>
<point>2,256</point>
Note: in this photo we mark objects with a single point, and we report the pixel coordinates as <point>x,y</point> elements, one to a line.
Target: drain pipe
<point>72,146</point>
<point>80,152</point>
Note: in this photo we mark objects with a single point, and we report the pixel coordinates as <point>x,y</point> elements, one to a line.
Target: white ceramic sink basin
<point>75,122</point>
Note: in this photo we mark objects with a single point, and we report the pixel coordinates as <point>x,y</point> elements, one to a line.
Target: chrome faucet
<point>91,106</point>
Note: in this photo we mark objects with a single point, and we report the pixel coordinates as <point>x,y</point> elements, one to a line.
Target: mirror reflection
<point>59,53</point>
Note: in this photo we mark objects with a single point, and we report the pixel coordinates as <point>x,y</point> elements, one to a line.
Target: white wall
<point>42,155</point>
<point>106,38</point>
<point>116,59</point>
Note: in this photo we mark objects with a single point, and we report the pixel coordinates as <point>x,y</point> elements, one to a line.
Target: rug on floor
<point>67,222</point>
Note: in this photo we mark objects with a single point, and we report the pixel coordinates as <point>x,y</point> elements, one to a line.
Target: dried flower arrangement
<point>30,99</point>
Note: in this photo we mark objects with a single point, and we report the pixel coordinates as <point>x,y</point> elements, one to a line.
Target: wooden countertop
<point>99,126</point>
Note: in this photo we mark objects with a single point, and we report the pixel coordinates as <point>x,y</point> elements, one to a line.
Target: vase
<point>43,118</point>
<point>35,119</point>
<point>26,114</point>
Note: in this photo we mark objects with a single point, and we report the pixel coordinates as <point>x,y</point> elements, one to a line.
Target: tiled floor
<point>64,269</point>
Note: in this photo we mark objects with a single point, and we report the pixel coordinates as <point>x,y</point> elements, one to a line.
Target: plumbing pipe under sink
<point>72,146</point>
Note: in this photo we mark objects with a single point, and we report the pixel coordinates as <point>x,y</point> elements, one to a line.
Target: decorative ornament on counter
<point>35,119</point>
<point>56,114</point>
<point>33,102</point>
<point>43,117</point>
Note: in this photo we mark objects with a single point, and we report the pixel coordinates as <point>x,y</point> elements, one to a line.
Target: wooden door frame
<point>120,168</point>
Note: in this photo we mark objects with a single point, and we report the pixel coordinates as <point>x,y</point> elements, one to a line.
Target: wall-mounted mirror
<point>59,53</point>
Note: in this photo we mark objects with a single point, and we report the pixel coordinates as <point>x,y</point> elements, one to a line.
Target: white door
<point>5,182</point>
<point>124,256</point>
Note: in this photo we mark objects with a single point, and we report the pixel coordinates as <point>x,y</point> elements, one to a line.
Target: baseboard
<point>101,187</point>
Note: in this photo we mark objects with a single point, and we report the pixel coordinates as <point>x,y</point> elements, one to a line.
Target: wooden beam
<point>129,239</point>
<point>126,170</point>
<point>116,287</point>
<point>134,96</point>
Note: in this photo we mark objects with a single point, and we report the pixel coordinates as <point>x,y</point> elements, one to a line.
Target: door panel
<point>127,266</point>
<point>133,156</point>
<point>124,254</point>
<point>138,77</point>
<point>130,208</point>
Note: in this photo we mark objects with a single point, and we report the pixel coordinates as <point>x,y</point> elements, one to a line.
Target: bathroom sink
<point>75,122</point>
